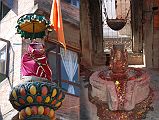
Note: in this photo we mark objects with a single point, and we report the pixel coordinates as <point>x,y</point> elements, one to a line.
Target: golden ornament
<point>29,99</point>
<point>54,92</point>
<point>33,90</point>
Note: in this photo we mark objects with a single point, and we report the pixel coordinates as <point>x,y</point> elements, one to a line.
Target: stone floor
<point>89,112</point>
<point>70,108</point>
<point>154,115</point>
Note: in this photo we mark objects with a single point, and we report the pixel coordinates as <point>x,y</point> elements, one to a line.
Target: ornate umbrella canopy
<point>32,26</point>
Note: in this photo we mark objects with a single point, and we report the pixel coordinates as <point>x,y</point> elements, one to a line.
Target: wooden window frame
<point>6,74</point>
<point>56,50</point>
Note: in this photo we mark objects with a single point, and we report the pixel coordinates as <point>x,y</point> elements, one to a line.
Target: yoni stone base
<point>138,113</point>
<point>131,89</point>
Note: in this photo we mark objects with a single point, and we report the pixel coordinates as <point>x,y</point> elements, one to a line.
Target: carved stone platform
<point>138,113</point>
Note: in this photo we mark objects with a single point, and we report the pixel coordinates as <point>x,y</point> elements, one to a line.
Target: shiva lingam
<point>120,92</point>
<point>37,97</point>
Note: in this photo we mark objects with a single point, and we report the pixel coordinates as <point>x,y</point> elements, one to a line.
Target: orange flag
<point>56,21</point>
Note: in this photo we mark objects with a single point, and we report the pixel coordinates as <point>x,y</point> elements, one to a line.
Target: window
<point>74,2</point>
<point>4,9</point>
<point>4,59</point>
<point>54,62</point>
<point>69,71</point>
<point>68,1</point>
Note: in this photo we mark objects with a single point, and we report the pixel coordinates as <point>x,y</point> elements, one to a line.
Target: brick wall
<point>71,20</point>
<point>70,10</point>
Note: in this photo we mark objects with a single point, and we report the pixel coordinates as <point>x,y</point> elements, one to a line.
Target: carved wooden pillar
<point>95,8</point>
<point>91,33</point>
<point>86,37</point>
<point>148,33</point>
<point>137,26</point>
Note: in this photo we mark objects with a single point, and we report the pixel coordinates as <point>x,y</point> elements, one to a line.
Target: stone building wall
<point>8,32</point>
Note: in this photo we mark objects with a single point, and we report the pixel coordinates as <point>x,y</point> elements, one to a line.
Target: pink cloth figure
<point>34,62</point>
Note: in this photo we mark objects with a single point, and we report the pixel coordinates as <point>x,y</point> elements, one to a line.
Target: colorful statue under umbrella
<point>37,97</point>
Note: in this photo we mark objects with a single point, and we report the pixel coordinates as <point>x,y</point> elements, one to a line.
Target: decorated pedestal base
<point>131,90</point>
<point>138,113</point>
<point>36,100</point>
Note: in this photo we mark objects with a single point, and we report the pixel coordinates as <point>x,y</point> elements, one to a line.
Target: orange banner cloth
<point>56,21</point>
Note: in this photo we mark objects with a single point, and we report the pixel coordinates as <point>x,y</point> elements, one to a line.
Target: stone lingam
<point>120,92</point>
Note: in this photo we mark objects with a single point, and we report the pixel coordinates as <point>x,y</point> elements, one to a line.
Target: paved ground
<point>154,115</point>
<point>70,108</point>
<point>88,110</point>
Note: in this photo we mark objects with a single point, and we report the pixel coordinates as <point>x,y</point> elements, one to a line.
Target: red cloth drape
<point>34,62</point>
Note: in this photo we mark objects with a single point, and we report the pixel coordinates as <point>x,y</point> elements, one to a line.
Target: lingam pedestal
<point>120,92</point>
